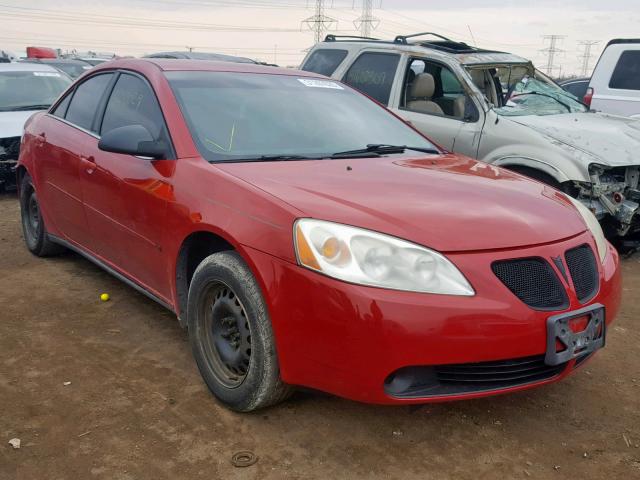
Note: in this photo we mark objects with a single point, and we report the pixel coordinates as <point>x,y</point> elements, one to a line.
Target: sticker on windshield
<point>320,83</point>
<point>46,74</point>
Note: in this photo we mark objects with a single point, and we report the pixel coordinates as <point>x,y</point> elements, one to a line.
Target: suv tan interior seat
<point>480,79</point>
<point>421,95</point>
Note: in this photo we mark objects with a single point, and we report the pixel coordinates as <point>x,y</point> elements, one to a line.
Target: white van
<point>615,83</point>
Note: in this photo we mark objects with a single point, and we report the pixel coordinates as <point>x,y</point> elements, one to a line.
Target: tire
<point>231,336</point>
<point>33,227</point>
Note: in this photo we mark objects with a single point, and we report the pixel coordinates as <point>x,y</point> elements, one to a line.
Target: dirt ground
<point>137,409</point>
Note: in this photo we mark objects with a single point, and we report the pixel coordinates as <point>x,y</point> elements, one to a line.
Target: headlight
<point>368,258</point>
<point>594,226</point>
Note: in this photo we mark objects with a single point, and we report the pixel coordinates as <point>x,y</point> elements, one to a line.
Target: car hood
<point>609,139</point>
<point>449,203</point>
<point>12,123</point>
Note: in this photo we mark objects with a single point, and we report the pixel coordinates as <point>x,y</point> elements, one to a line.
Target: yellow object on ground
<point>104,297</point>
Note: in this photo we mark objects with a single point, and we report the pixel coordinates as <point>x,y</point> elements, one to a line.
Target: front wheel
<point>33,227</point>
<point>231,336</point>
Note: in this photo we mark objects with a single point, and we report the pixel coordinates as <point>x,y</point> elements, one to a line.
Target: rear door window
<point>85,101</point>
<point>373,73</point>
<point>324,61</point>
<point>626,75</point>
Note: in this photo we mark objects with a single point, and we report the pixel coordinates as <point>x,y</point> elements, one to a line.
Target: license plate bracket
<point>560,332</point>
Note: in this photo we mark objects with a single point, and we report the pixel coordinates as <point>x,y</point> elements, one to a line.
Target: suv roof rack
<point>403,38</point>
<point>617,41</point>
<point>346,38</point>
<point>441,43</point>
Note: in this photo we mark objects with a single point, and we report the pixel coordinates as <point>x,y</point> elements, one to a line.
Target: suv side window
<point>86,99</point>
<point>132,102</point>
<point>433,89</point>
<point>373,73</point>
<point>626,75</point>
<point>324,61</point>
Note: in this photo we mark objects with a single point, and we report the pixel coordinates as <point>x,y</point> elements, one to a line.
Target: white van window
<point>626,75</point>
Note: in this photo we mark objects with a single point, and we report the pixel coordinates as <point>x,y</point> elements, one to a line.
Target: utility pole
<point>551,51</point>
<point>319,22</point>
<point>586,55</point>
<point>366,22</point>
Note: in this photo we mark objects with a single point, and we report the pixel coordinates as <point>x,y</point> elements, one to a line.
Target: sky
<point>274,31</point>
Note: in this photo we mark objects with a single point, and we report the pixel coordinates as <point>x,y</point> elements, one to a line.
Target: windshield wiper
<point>380,149</point>
<point>544,95</point>
<point>23,108</point>
<point>269,158</point>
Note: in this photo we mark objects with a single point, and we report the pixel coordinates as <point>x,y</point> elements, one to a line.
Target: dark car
<point>219,57</point>
<point>576,86</point>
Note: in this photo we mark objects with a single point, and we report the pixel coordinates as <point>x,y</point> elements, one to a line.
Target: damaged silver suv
<point>498,108</point>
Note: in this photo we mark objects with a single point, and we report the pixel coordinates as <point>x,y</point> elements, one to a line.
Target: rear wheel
<point>33,227</point>
<point>231,336</point>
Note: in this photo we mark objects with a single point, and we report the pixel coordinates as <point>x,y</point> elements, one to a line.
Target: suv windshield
<point>243,117</point>
<point>26,90</point>
<point>526,94</point>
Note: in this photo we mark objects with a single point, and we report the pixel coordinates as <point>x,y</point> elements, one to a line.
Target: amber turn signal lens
<point>305,255</point>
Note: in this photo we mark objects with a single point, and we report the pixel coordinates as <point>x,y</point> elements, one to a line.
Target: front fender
<point>534,163</point>
<point>508,143</point>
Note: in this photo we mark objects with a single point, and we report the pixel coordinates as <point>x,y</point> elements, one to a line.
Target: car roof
<point>200,56</point>
<point>188,65</point>
<point>26,67</point>
<point>574,80</point>
<point>442,47</point>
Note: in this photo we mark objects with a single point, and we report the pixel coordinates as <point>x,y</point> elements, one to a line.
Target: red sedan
<point>308,237</point>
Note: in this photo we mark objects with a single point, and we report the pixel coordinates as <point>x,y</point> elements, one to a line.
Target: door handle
<point>88,163</point>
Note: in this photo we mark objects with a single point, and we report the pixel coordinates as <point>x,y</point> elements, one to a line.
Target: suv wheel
<point>33,227</point>
<point>231,336</point>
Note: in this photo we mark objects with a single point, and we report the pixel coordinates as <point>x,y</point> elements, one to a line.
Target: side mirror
<point>133,140</point>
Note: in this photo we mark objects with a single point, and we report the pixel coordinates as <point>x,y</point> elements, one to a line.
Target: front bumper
<point>348,339</point>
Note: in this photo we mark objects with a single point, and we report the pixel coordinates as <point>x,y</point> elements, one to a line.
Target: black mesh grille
<point>468,378</point>
<point>498,374</point>
<point>584,271</point>
<point>533,281</point>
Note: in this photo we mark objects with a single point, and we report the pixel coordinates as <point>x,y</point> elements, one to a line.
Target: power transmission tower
<point>586,55</point>
<point>366,21</point>
<point>319,22</point>
<point>551,51</point>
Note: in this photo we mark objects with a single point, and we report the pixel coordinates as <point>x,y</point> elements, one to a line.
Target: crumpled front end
<point>613,195</point>
<point>9,152</point>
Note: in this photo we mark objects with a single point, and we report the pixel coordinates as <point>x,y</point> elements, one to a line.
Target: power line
<point>552,51</point>
<point>366,21</point>
<point>319,22</point>
<point>586,55</point>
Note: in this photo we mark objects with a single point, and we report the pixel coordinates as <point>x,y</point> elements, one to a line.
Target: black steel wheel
<point>33,227</point>
<point>231,335</point>
<point>228,335</point>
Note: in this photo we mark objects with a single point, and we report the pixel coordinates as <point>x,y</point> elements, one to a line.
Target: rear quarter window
<point>626,75</point>
<point>87,96</point>
<point>324,61</point>
<point>373,73</point>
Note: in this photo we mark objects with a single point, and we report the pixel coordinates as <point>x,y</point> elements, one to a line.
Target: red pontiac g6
<point>308,237</point>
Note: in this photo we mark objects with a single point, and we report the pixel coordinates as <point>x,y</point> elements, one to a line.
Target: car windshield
<point>27,90</point>
<point>247,116</point>
<point>527,93</point>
